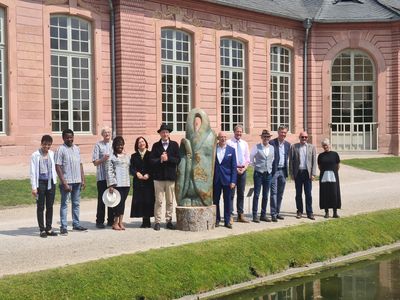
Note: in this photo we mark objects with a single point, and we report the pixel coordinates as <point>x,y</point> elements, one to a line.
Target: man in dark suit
<point>303,168</point>
<point>225,176</point>
<point>279,173</point>
<point>164,159</point>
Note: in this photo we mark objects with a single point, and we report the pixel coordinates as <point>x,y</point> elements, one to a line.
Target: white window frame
<point>281,78</point>
<point>348,81</point>
<point>85,93</point>
<point>233,72</point>
<point>3,99</point>
<point>176,77</point>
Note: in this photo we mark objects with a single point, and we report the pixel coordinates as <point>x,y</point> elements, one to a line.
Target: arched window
<point>281,74</point>
<point>2,74</point>
<point>353,97</point>
<point>233,71</point>
<point>176,77</point>
<point>71,55</point>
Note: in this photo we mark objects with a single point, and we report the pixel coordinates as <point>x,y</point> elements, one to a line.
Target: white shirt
<point>220,153</point>
<point>244,147</point>
<point>303,157</point>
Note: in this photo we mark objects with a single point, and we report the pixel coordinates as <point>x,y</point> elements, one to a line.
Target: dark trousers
<point>218,188</point>
<point>303,179</point>
<point>261,180</point>
<point>120,208</point>
<point>45,197</point>
<point>240,186</point>
<point>101,208</point>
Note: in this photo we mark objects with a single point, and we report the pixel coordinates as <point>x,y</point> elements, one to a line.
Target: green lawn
<point>173,272</point>
<point>18,191</point>
<point>380,164</point>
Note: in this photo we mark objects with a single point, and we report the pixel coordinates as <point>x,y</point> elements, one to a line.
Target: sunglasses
<point>304,137</point>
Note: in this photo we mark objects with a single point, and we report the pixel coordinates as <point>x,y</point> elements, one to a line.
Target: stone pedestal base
<point>198,218</point>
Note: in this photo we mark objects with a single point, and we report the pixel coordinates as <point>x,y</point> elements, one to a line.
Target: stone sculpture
<point>194,184</point>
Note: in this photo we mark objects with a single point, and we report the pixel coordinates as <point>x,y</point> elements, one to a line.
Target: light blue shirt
<point>100,149</point>
<point>303,157</point>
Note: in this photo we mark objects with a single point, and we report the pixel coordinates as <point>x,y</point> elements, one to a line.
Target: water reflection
<point>377,279</point>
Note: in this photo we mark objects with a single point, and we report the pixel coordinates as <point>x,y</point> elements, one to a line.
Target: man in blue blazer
<point>279,173</point>
<point>225,176</point>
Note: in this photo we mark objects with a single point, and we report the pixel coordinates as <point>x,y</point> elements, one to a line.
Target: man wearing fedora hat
<point>164,159</point>
<point>261,157</point>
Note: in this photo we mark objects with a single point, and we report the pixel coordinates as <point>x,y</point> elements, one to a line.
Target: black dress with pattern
<point>329,192</point>
<point>143,190</point>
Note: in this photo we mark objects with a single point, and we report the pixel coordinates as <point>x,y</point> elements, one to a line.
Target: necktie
<point>239,154</point>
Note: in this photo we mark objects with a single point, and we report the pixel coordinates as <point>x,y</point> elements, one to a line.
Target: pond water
<point>367,280</point>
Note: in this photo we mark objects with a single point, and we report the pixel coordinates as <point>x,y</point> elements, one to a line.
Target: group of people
<point>273,162</point>
<point>154,174</point>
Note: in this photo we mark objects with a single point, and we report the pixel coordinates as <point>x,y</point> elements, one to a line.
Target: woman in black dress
<point>143,187</point>
<point>329,188</point>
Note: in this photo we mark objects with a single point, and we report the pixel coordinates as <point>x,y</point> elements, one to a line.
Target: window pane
<point>175,77</point>
<point>70,73</point>
<point>280,87</point>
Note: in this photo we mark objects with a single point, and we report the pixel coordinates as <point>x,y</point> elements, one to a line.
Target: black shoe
<point>43,234</point>
<point>109,224</point>
<point>299,215</point>
<point>143,225</point>
<point>79,228</point>
<point>280,217</point>
<point>229,226</point>
<point>100,226</point>
<point>170,226</point>
<point>216,224</point>
<point>157,226</point>
<point>326,216</point>
<point>265,219</point>
<point>311,217</point>
<point>51,233</point>
<point>63,231</point>
<point>336,216</point>
<point>274,219</point>
<point>256,220</point>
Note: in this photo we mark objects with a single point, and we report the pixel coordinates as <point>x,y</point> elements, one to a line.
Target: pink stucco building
<point>133,64</point>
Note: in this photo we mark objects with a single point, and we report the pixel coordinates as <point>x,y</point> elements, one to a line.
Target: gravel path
<point>22,250</point>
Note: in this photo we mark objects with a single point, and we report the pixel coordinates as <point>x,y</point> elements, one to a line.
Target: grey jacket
<point>294,160</point>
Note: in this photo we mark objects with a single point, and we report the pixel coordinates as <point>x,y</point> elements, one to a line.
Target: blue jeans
<point>261,180</point>
<point>75,196</point>
<point>303,179</point>
<point>240,186</point>
<point>278,183</point>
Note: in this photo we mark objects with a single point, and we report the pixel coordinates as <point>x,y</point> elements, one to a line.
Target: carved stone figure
<point>194,184</point>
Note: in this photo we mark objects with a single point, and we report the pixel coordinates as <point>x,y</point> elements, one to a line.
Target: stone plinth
<point>195,218</point>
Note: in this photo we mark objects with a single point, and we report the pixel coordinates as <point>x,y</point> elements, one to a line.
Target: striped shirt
<point>100,149</point>
<point>69,158</point>
<point>117,168</point>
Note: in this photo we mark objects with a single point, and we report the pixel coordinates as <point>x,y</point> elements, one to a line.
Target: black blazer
<point>286,145</point>
<point>166,170</point>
